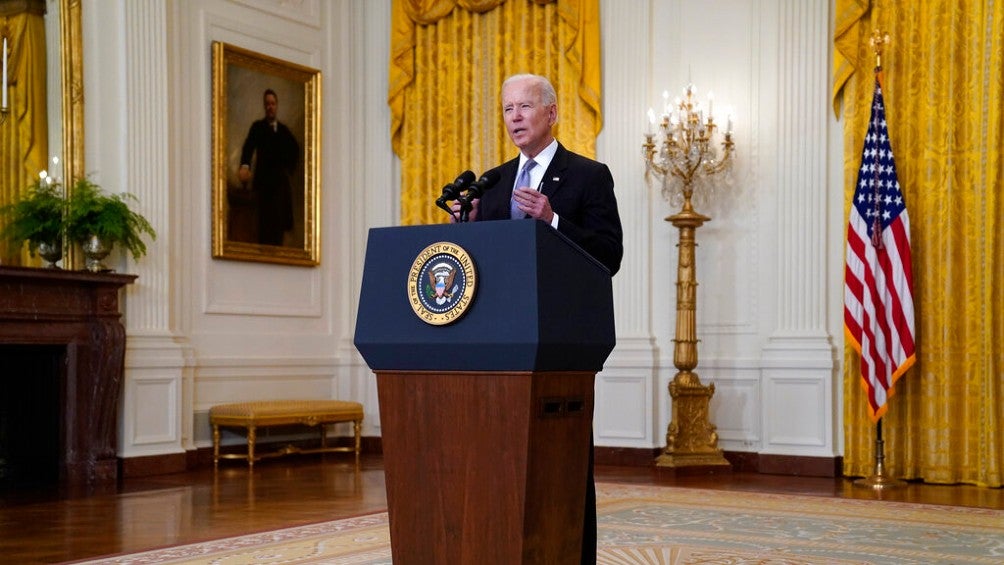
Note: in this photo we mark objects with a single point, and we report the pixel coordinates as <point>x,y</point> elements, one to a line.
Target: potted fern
<point>38,219</point>
<point>98,221</point>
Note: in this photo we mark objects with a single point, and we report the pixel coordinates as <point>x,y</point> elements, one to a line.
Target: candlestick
<point>3,102</point>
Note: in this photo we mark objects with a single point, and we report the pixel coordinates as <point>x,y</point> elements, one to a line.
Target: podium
<point>486,420</point>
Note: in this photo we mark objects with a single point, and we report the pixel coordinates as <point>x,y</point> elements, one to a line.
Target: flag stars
<point>878,198</point>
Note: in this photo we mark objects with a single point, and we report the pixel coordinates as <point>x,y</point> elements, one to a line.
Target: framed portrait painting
<point>266,152</point>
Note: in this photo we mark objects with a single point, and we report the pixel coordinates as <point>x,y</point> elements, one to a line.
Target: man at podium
<point>572,193</point>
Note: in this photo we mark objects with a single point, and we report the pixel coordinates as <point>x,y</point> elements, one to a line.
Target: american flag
<point>878,278</point>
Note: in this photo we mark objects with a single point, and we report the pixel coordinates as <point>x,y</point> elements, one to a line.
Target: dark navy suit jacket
<point>581,192</point>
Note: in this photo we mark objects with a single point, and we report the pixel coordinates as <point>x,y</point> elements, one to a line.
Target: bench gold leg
<point>252,437</point>
<point>357,426</point>
<point>216,446</point>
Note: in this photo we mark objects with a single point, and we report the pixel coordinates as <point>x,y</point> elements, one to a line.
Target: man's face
<point>527,119</point>
<point>271,107</point>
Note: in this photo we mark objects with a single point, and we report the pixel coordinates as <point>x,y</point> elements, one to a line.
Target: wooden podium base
<point>485,467</point>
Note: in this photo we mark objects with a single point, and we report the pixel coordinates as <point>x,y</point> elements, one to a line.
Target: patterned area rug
<point>670,526</point>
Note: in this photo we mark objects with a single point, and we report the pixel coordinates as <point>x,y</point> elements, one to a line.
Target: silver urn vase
<point>95,250</point>
<point>51,252</point>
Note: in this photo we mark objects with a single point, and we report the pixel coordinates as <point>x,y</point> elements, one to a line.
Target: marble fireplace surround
<point>79,310</point>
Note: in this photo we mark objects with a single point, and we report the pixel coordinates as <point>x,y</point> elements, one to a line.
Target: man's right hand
<point>244,173</point>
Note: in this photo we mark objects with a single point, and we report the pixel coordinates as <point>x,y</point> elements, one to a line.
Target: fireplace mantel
<point>80,310</point>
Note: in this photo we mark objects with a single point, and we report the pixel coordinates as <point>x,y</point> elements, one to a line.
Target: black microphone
<point>476,189</point>
<point>486,181</point>
<point>452,191</point>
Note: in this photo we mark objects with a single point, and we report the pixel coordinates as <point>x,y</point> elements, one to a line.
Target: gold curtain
<point>944,90</point>
<point>448,61</point>
<point>24,146</point>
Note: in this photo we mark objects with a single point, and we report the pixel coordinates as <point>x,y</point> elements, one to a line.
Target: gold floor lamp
<point>685,158</point>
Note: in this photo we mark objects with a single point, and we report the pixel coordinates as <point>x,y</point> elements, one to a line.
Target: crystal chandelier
<point>683,156</point>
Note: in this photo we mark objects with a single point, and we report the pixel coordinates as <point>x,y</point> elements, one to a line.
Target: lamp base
<point>710,462</point>
<point>691,439</point>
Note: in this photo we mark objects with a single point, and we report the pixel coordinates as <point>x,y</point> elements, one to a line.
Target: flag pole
<point>878,480</point>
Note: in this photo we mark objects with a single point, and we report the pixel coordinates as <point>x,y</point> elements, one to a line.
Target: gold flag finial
<point>878,41</point>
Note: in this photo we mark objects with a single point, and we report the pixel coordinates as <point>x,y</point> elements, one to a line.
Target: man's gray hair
<point>544,87</point>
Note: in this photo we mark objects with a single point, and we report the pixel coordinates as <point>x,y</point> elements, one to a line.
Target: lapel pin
<point>555,179</point>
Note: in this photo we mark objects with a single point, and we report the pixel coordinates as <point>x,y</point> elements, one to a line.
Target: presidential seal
<point>441,283</point>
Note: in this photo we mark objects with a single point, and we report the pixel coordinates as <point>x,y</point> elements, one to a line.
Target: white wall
<point>767,319</point>
<point>203,331</point>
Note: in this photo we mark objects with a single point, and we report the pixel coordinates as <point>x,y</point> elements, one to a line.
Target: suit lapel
<point>507,178</point>
<point>554,176</point>
<point>509,175</point>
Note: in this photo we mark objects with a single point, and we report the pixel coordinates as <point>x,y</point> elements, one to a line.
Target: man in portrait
<point>268,160</point>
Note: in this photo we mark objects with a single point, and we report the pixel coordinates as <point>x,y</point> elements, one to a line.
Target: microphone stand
<point>465,208</point>
<point>441,202</point>
<point>475,191</point>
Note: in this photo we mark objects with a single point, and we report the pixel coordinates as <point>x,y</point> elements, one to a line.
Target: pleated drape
<point>24,146</point>
<point>448,61</point>
<point>944,91</point>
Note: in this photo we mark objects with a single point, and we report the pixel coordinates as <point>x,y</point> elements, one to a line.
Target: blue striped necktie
<point>523,180</point>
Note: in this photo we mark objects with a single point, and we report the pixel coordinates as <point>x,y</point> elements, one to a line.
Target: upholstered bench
<point>261,414</point>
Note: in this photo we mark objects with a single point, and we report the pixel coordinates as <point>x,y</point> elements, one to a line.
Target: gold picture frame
<point>266,204</point>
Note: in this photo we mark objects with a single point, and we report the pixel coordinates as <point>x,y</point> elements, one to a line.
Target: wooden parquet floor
<point>50,526</point>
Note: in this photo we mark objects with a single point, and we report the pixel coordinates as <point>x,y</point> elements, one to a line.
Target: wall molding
<point>789,465</point>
